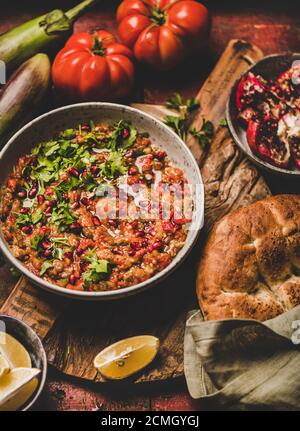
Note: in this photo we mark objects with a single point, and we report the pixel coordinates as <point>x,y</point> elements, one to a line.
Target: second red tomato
<point>163,32</point>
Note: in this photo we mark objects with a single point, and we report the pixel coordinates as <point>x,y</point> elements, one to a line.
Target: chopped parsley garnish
<point>114,166</point>
<point>45,266</point>
<point>117,142</point>
<point>98,269</point>
<point>62,216</point>
<point>35,241</point>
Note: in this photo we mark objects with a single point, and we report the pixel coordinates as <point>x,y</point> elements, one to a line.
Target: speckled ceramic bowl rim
<point>42,377</point>
<point>260,162</point>
<point>115,294</point>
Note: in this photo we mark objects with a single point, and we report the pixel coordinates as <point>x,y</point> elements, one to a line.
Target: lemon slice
<point>4,366</point>
<point>126,357</point>
<point>14,352</point>
<point>14,381</point>
<point>20,398</point>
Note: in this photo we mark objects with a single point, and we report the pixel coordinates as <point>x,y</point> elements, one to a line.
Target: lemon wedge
<point>4,366</point>
<point>14,352</point>
<point>14,381</point>
<point>20,398</point>
<point>126,357</point>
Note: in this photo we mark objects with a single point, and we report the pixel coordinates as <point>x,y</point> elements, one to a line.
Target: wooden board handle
<point>32,305</point>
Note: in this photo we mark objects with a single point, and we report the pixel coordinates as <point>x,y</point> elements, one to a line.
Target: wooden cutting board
<point>74,332</point>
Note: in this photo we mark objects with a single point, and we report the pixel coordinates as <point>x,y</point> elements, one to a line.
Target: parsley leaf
<point>180,123</point>
<point>117,142</point>
<point>98,269</point>
<point>35,241</point>
<point>46,265</point>
<point>62,216</point>
<point>205,134</point>
<point>114,165</point>
<point>177,124</point>
<point>223,122</point>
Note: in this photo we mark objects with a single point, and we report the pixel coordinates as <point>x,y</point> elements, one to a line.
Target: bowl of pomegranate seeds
<point>98,201</point>
<point>263,113</point>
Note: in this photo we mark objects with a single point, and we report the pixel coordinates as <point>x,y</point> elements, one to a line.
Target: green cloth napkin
<point>244,364</point>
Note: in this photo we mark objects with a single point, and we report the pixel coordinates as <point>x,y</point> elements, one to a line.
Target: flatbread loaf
<point>251,263</point>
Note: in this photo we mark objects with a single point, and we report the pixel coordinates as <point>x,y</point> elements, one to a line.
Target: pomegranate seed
<point>131,252</point>
<point>48,253</point>
<point>74,172</point>
<point>24,210</point>
<point>180,220</point>
<point>40,199</point>
<point>22,194</point>
<point>46,244</point>
<point>156,245</point>
<point>75,205</point>
<point>134,224</point>
<point>95,170</point>
<point>51,204</point>
<point>66,197</point>
<point>73,279</point>
<point>160,155</point>
<point>96,221</point>
<point>85,201</point>
<point>125,133</point>
<point>48,210</point>
<point>135,245</point>
<point>144,243</point>
<point>140,234</point>
<point>49,192</point>
<point>112,223</point>
<point>168,227</point>
<point>32,192</point>
<point>68,255</point>
<point>85,127</point>
<point>76,227</point>
<point>133,170</point>
<point>27,229</point>
<point>84,266</point>
<point>115,250</point>
<point>79,251</point>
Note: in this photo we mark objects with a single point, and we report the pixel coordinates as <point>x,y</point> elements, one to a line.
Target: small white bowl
<point>29,339</point>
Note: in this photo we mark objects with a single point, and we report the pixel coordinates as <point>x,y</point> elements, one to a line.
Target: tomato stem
<point>156,14</point>
<point>98,48</point>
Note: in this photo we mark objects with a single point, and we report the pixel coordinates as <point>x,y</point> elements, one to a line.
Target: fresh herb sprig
<point>179,123</point>
<point>205,134</point>
<point>98,269</point>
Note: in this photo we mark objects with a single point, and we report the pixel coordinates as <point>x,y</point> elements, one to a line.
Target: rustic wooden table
<point>272,26</point>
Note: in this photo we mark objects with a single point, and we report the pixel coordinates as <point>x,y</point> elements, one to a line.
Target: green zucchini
<point>22,42</point>
<point>23,92</point>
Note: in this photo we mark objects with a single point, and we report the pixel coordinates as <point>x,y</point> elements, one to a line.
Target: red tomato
<point>163,32</point>
<point>93,67</point>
